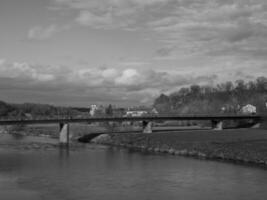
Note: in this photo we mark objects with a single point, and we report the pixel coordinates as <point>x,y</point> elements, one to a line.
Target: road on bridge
<point>142,118</point>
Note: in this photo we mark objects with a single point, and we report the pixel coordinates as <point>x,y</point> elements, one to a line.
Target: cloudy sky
<point>126,52</point>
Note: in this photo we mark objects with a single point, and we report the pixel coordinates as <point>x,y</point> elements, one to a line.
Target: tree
<point>208,99</point>
<point>261,84</point>
<point>5,108</point>
<point>162,99</point>
<point>163,104</point>
<point>240,85</point>
<point>195,90</point>
<point>109,110</point>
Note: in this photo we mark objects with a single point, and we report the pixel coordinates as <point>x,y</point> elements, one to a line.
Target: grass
<point>244,145</point>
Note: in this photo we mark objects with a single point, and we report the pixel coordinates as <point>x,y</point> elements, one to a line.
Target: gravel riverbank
<point>248,146</point>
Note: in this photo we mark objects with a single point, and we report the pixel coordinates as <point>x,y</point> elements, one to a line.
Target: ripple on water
<point>99,172</point>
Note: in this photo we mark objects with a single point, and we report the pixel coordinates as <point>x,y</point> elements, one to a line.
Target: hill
<point>31,110</point>
<point>198,99</point>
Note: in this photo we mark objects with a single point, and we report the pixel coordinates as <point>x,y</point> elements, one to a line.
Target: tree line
<point>31,110</point>
<point>207,99</point>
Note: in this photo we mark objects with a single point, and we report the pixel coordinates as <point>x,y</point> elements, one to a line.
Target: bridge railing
<point>151,116</point>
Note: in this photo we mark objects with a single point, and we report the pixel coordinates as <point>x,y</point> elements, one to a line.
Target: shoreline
<point>246,146</point>
<point>193,154</point>
<point>241,146</point>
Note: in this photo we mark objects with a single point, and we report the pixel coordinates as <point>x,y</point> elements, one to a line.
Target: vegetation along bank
<point>248,146</point>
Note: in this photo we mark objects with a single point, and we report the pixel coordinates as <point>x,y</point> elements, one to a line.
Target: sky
<point>126,52</point>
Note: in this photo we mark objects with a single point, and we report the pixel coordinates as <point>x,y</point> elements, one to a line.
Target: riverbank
<point>246,146</point>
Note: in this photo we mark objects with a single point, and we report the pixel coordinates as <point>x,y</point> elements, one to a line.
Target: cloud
<point>87,18</point>
<point>43,33</point>
<point>24,71</point>
<point>104,4</point>
<point>204,26</point>
<point>2,61</point>
<point>109,74</point>
<point>129,63</point>
<point>165,53</point>
<point>184,27</point>
<point>21,81</point>
<point>112,14</point>
<point>107,85</point>
<point>128,77</point>
<point>201,41</point>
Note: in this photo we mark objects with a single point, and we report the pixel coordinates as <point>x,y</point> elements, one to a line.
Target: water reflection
<point>64,153</point>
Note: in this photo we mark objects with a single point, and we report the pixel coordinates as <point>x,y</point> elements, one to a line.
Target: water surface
<point>99,172</point>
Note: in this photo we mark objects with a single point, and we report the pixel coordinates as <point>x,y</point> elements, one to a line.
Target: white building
<point>136,113</point>
<point>249,109</point>
<point>93,109</point>
<point>154,111</point>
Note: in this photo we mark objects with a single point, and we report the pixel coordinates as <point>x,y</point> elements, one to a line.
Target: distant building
<point>135,113</point>
<point>154,111</point>
<point>249,109</point>
<point>93,109</point>
<point>28,115</point>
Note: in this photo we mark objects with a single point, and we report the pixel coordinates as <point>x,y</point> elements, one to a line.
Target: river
<point>100,172</point>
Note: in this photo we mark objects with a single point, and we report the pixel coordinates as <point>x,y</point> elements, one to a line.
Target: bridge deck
<point>142,118</point>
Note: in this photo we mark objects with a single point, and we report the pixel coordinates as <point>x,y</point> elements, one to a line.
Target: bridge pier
<point>217,125</point>
<point>64,134</point>
<point>147,127</point>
